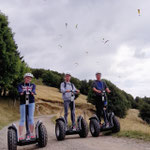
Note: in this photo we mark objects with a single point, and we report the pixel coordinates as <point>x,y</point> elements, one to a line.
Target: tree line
<point>12,66</point>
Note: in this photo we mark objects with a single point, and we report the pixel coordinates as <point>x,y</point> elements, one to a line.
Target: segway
<point>61,129</point>
<point>95,124</point>
<point>40,132</point>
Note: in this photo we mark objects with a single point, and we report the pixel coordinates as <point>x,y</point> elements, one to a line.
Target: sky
<point>84,37</point>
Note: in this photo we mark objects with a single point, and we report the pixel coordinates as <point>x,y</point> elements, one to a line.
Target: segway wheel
<point>42,141</point>
<point>94,127</point>
<point>12,139</point>
<point>60,130</point>
<point>84,129</point>
<point>116,127</point>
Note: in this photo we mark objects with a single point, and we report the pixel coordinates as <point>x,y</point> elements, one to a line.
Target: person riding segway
<point>69,91</point>
<point>110,121</point>
<point>27,106</point>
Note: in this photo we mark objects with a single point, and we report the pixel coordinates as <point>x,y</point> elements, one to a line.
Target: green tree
<point>51,79</point>
<point>11,62</point>
<point>145,112</point>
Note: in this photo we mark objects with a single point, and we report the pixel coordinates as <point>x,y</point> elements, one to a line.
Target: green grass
<point>134,134</point>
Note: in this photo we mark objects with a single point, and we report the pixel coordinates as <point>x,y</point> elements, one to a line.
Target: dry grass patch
<point>8,112</point>
<point>134,127</point>
<point>134,123</point>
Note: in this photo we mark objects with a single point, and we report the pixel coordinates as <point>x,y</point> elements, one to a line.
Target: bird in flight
<point>60,45</point>
<point>76,26</point>
<point>66,24</point>
<point>139,11</point>
<point>106,41</point>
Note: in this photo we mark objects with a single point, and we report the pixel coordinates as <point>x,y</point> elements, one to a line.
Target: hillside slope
<point>49,101</point>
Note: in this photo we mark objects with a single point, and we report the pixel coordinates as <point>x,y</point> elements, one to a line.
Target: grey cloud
<point>40,27</point>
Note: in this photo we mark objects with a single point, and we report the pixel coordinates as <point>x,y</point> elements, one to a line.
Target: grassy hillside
<point>8,112</point>
<point>49,101</point>
<point>134,127</point>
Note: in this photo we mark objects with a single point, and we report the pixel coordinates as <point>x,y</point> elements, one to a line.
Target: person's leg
<point>22,119</point>
<point>66,106</point>
<point>31,117</point>
<point>72,108</point>
<point>98,110</point>
<point>105,115</point>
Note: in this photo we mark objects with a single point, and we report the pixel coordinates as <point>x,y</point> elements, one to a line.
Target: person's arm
<point>106,88</point>
<point>94,88</point>
<point>33,90</point>
<point>20,90</point>
<point>75,90</point>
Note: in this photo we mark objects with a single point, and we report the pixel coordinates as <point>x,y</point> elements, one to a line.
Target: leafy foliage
<point>12,67</point>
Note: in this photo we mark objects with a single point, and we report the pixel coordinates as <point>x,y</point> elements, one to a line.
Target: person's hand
<point>78,91</point>
<point>21,93</point>
<point>98,91</point>
<point>32,93</point>
<point>68,91</point>
<point>108,91</point>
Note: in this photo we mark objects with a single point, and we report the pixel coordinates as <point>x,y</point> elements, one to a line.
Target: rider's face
<point>98,76</point>
<point>27,79</point>
<point>67,78</point>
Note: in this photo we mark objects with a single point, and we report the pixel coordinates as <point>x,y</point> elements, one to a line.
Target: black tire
<point>60,130</point>
<point>12,139</point>
<point>116,127</point>
<point>94,127</point>
<point>84,129</point>
<point>42,140</point>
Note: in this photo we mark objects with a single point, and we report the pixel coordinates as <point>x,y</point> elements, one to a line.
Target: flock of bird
<point>104,41</point>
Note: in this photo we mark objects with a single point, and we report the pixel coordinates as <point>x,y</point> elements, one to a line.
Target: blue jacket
<point>23,88</point>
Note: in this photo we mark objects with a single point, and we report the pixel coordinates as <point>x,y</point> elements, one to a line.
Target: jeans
<point>100,111</point>
<point>70,104</point>
<point>31,108</point>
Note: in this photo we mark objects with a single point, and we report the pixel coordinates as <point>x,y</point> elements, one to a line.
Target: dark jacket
<point>23,88</point>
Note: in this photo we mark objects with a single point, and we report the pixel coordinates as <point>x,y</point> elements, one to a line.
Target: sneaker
<point>74,128</point>
<point>32,136</point>
<point>28,137</point>
<point>66,128</point>
<point>107,125</point>
<point>100,125</point>
<point>21,138</point>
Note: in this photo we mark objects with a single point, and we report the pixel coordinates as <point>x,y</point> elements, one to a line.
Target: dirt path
<point>76,143</point>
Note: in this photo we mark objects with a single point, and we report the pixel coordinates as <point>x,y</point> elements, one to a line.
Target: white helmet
<point>28,75</point>
<point>67,74</point>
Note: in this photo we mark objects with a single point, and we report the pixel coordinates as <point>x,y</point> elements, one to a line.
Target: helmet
<point>28,75</point>
<point>98,73</point>
<point>67,74</point>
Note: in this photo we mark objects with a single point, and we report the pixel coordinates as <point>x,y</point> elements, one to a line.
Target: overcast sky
<point>86,36</point>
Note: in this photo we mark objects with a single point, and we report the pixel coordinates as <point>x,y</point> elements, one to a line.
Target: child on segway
<point>68,91</point>
<point>100,88</point>
<point>27,91</point>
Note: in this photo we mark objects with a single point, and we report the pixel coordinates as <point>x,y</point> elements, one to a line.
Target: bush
<point>145,112</point>
<point>51,79</point>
